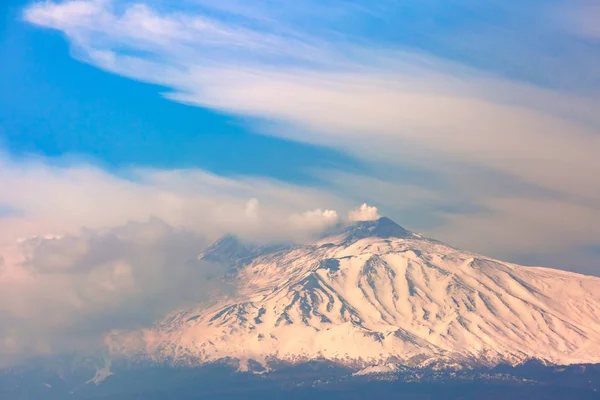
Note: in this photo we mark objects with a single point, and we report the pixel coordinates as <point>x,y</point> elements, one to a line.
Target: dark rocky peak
<point>384,228</point>
<point>227,249</point>
<point>231,250</point>
<point>380,228</point>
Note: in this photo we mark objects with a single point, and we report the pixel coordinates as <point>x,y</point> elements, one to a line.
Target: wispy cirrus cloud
<point>381,102</point>
<point>508,166</point>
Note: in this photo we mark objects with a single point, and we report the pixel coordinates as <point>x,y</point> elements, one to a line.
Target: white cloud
<point>523,225</point>
<point>68,14</point>
<point>63,294</point>
<point>314,220</point>
<point>62,200</point>
<point>252,208</point>
<point>402,107</point>
<point>364,213</point>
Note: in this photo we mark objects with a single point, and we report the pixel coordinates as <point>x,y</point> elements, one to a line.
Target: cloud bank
<point>84,251</point>
<point>51,199</point>
<point>63,294</point>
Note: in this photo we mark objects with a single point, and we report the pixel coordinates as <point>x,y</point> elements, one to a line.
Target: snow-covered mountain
<point>376,296</point>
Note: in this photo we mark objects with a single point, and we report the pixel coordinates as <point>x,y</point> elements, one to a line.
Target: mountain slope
<point>377,294</point>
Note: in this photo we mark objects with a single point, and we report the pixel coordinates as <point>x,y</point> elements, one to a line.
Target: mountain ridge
<point>375,294</point>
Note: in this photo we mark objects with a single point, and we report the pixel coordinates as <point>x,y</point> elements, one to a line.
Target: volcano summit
<point>374,296</point>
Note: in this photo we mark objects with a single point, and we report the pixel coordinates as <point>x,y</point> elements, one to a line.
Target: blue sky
<point>133,133</point>
<point>54,106</point>
<point>471,121</point>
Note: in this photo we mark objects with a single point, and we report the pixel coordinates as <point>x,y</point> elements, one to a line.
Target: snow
<point>370,302</point>
<point>101,374</point>
<point>377,369</point>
